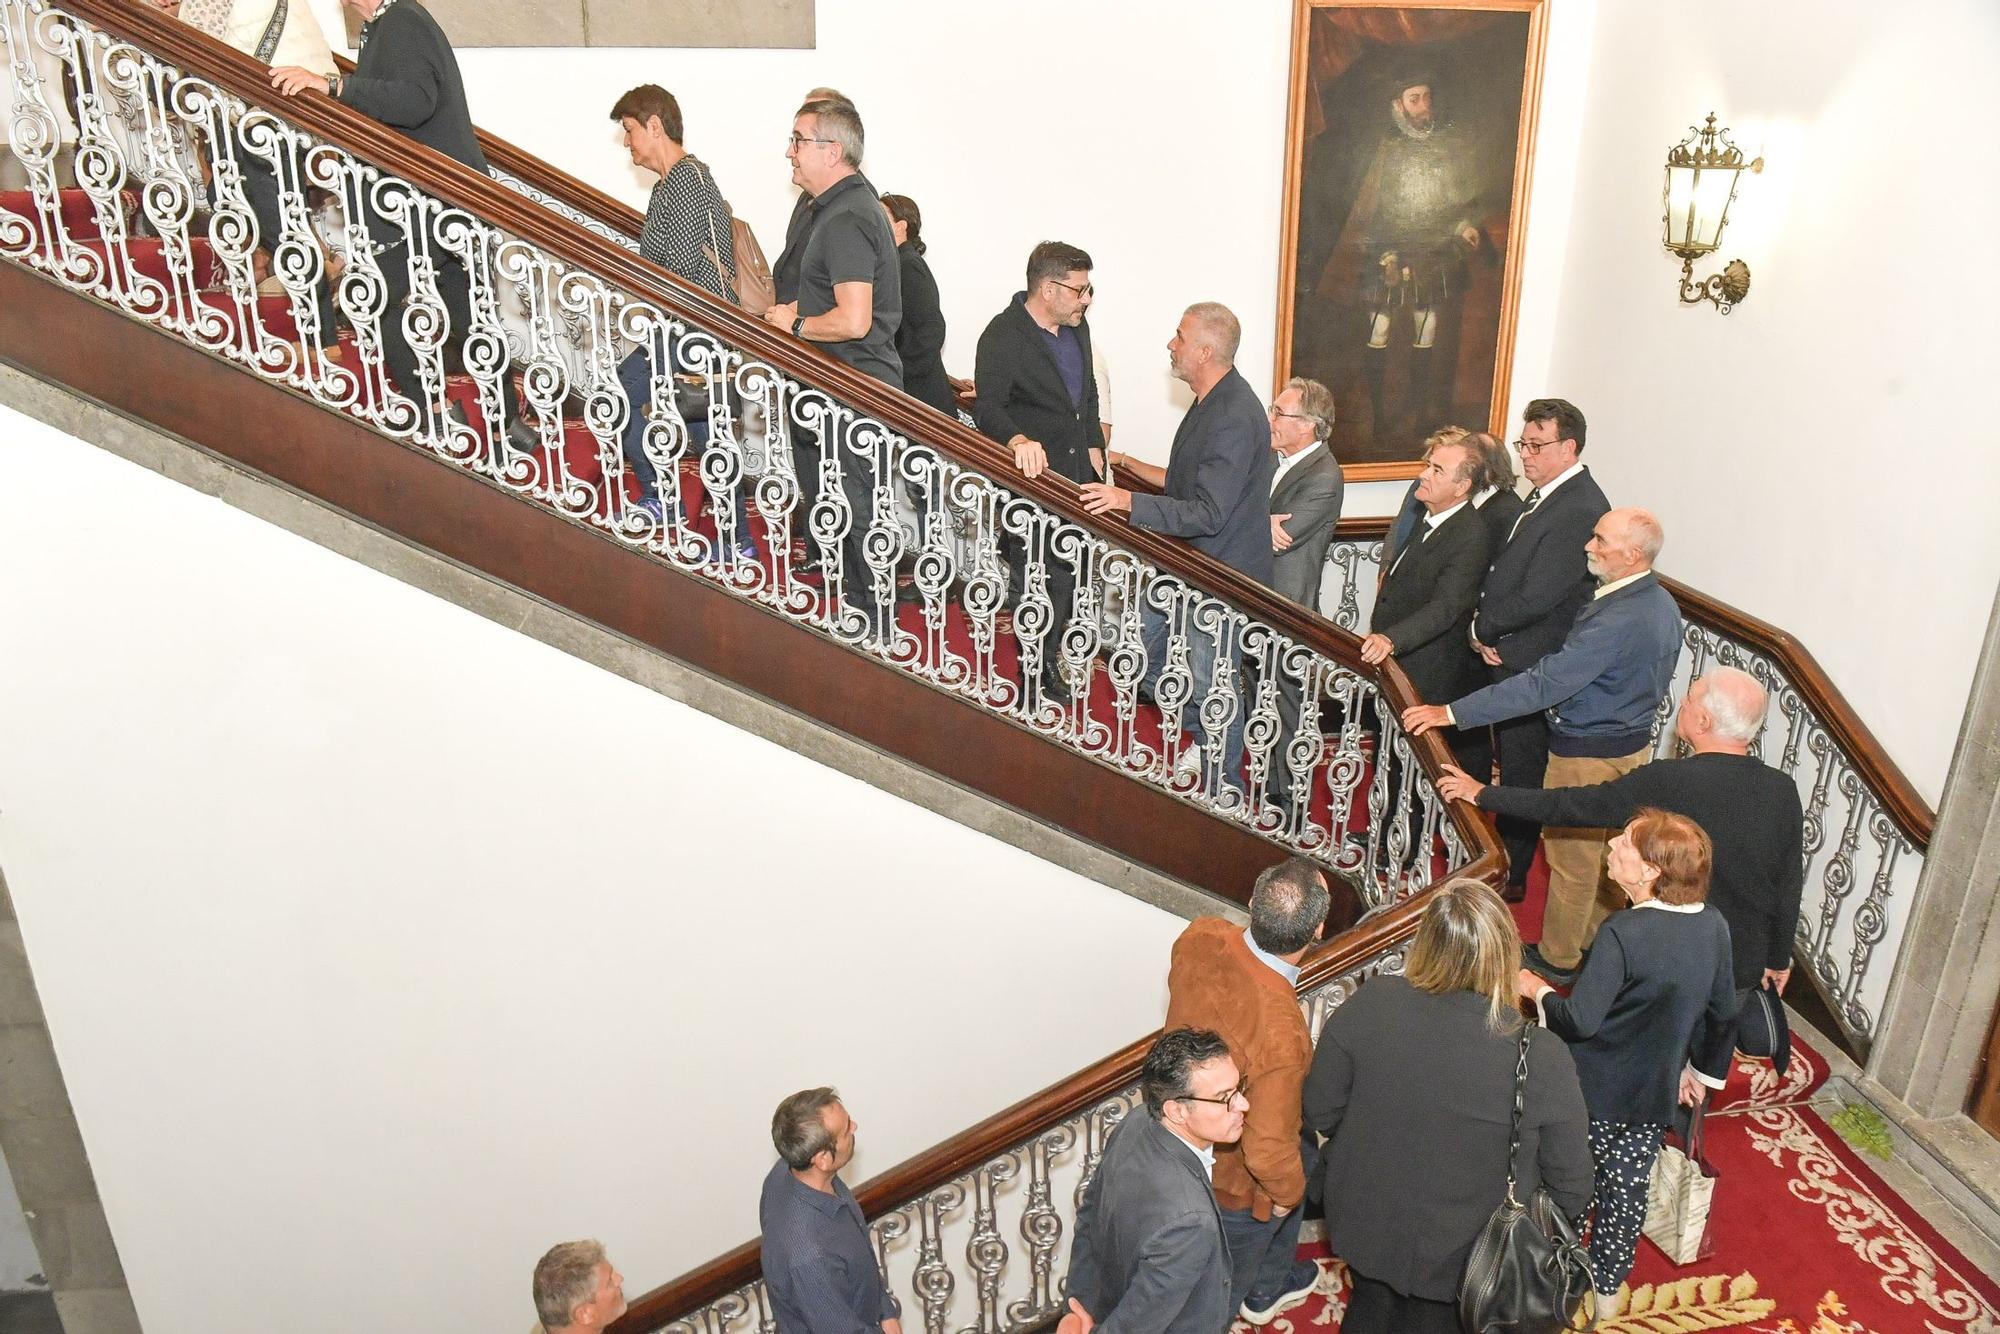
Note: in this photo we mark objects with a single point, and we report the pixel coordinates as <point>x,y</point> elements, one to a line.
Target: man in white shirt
<point>1305,491</point>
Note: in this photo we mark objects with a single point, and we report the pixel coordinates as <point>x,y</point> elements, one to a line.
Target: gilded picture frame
<point>1405,213</point>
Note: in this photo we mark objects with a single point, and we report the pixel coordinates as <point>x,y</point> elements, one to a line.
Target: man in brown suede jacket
<point>1243,985</point>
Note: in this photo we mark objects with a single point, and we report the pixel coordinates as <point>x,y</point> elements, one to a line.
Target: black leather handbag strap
<point>1520,1106</point>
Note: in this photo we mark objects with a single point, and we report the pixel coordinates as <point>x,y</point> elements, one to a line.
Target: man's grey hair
<point>1316,402</point>
<point>565,1279</point>
<point>1736,701</point>
<point>840,122</point>
<point>825,94</point>
<point>1288,906</point>
<point>1471,467</point>
<point>798,1127</point>
<point>1644,534</point>
<point>1217,329</point>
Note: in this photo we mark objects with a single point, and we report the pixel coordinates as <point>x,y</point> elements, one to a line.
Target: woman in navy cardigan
<point>1651,1022</point>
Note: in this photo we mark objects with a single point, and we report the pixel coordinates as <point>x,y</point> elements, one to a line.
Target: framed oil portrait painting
<point>1410,141</point>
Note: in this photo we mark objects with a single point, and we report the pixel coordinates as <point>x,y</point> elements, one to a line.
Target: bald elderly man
<point>1600,692</point>
<point>1750,810</point>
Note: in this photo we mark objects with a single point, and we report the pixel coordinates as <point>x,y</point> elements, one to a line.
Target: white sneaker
<point>1187,766</point>
<point>1264,1315</point>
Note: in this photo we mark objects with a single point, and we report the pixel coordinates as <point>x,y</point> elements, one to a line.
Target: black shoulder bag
<point>1527,1274</point>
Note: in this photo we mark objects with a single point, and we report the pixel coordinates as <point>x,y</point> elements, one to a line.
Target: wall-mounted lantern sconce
<point>1702,171</point>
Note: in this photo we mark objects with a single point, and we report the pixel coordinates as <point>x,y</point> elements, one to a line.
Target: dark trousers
<point>1061,590</point>
<point>260,190</point>
<point>1522,745</point>
<point>857,484</point>
<point>1377,1308</point>
<point>635,377</point>
<point>454,286</point>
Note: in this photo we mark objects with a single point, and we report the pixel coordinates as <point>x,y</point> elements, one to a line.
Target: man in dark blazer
<point>1432,585</point>
<point>1533,591</point>
<point>1038,397</point>
<point>406,76</point>
<point>1749,810</point>
<point>1306,490</point>
<point>1149,1255</point>
<point>1216,493</point>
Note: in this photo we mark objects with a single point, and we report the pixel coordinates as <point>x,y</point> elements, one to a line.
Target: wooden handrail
<point>1899,798</point>
<point>994,1136</point>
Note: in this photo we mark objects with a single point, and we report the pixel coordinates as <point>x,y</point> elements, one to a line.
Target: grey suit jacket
<point>1311,494</point>
<point>1149,1257</point>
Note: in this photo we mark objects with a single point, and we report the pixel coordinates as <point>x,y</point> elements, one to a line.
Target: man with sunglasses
<point>1149,1255</point>
<point>1533,590</point>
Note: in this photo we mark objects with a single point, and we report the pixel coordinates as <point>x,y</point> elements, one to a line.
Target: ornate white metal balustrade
<point>987,1252</point>
<point>1861,867</point>
<point>162,158</point>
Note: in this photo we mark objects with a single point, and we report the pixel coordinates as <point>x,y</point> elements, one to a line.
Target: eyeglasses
<point>1227,1098</point>
<point>1530,448</point>
<point>792,141</point>
<point>1295,416</point>
<point>1086,290</point>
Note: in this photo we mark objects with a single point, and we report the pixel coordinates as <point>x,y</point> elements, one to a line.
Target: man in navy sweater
<point>1600,691</point>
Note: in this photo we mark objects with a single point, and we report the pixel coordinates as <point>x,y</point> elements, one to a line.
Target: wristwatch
<point>333,85</point>
<point>799,327</point>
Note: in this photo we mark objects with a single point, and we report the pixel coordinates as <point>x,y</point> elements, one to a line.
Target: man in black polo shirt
<point>1038,397</point>
<point>406,76</point>
<point>848,299</point>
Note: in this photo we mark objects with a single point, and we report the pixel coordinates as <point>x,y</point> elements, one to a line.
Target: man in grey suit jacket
<point>1306,492</point>
<point>1149,1255</point>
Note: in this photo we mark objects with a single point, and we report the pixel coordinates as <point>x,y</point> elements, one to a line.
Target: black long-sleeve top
<point>1655,995</point>
<point>1752,815</point>
<point>920,337</point>
<point>406,76</point>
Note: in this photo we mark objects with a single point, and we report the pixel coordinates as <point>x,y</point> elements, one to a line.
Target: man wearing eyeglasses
<point>1038,398</point>
<point>1149,1255</point>
<point>1243,985</point>
<point>847,300</point>
<point>1535,586</point>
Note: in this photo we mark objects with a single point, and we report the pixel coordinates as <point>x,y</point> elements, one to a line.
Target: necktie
<point>1417,539</point>
<point>1534,499</point>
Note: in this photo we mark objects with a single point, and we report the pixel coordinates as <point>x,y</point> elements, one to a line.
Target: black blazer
<point>1655,993</point>
<point>1311,494</point>
<point>1022,393</point>
<point>1149,1257</point>
<point>1426,604</point>
<point>1538,582</point>
<point>920,337</point>
<point>1414,1092</point>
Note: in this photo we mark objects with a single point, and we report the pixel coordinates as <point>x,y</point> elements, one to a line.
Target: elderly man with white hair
<point>1600,691</point>
<point>1750,811</point>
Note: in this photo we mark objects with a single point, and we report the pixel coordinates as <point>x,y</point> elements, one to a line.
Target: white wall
<point>383,947</point>
<point>1825,455</point>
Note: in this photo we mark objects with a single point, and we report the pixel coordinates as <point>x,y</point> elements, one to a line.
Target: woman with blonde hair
<point>1413,1086</point>
<point>1651,1022</point>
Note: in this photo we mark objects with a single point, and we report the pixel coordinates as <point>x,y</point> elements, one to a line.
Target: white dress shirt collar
<point>1606,590</point>
<point>1561,477</point>
<point>1433,522</point>
<point>1664,906</point>
<point>1479,501</point>
<point>1288,971</point>
<point>1286,462</point>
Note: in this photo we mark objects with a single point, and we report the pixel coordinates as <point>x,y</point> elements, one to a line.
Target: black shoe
<point>909,593</point>
<point>1532,960</point>
<point>1515,893</point>
<point>1054,688</point>
<point>522,436</point>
